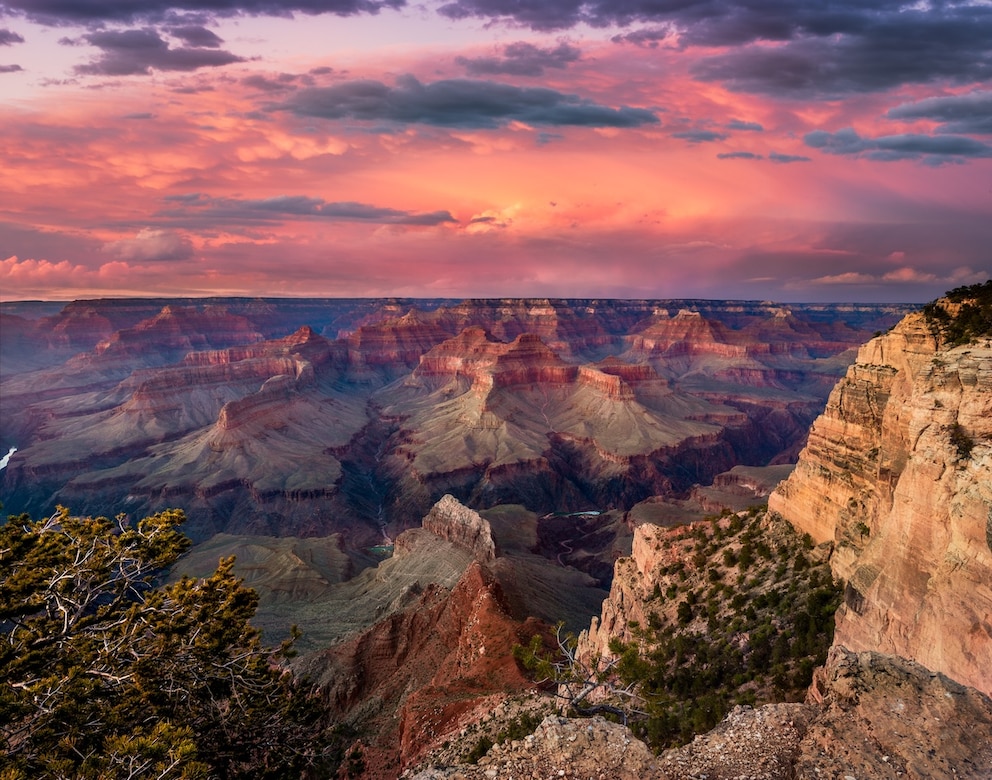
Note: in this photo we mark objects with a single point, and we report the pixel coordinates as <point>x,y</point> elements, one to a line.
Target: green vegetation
<point>971,320</point>
<point>961,440</point>
<point>747,625</point>
<point>104,674</point>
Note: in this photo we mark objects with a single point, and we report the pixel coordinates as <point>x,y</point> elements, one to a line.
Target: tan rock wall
<point>910,515</point>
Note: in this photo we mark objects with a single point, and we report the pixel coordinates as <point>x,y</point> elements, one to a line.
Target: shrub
<point>961,440</point>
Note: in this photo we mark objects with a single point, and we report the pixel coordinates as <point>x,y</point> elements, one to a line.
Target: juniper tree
<point>103,673</point>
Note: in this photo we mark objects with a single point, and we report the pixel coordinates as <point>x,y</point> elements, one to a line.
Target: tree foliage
<point>584,687</point>
<point>709,643</point>
<point>971,319</point>
<point>104,674</point>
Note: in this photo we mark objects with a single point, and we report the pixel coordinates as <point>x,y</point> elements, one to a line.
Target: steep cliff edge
<point>897,474</point>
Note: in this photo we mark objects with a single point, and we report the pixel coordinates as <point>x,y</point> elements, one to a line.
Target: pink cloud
<point>151,245</point>
<point>908,275</point>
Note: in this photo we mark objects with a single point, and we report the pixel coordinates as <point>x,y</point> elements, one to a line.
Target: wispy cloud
<point>967,113</point>
<point>203,208</point>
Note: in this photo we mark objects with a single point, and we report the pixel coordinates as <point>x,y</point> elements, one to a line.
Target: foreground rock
<point>560,747</point>
<point>868,716</point>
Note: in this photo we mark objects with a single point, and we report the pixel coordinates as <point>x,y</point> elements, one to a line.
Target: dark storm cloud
<point>9,37</point>
<point>700,136</point>
<point>970,113</point>
<point>882,59</point>
<point>929,149</point>
<point>195,35</point>
<point>803,49</point>
<point>197,207</point>
<point>131,52</point>
<point>63,12</point>
<point>521,59</point>
<point>739,156</point>
<point>464,103</point>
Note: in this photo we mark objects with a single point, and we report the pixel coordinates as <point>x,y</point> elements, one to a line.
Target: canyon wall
<point>897,474</point>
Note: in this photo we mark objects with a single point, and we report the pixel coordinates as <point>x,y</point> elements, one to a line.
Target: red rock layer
<point>418,671</point>
<point>471,354</point>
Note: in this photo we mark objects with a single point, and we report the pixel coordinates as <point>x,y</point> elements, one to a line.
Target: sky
<point>790,150</point>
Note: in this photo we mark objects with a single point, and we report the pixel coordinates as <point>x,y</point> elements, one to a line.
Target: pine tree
<point>105,674</point>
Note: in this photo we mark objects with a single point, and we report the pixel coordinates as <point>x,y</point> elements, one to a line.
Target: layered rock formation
<point>897,474</point>
<point>463,527</point>
<point>239,411</point>
<point>435,645</point>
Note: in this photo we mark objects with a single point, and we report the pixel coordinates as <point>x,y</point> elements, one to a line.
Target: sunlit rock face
<point>897,473</point>
<point>463,527</point>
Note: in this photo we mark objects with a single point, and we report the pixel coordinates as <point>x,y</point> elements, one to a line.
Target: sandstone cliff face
<point>897,473</point>
<point>461,526</point>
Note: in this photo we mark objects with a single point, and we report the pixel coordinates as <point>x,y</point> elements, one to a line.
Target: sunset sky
<point>762,149</point>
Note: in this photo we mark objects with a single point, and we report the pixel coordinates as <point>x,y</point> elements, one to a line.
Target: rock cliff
<point>463,527</point>
<point>897,474</point>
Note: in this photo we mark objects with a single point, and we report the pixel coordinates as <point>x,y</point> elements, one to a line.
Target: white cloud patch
<point>151,245</point>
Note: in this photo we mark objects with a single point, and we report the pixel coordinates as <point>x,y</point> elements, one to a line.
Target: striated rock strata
<point>462,526</point>
<point>309,417</point>
<point>897,474</point>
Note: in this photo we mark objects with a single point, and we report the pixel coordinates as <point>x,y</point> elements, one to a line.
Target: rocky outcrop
<point>463,527</point>
<point>897,474</point>
<point>488,363</point>
<point>560,747</point>
<point>409,679</point>
<point>868,716</point>
<point>176,330</point>
<point>392,344</point>
<point>687,333</point>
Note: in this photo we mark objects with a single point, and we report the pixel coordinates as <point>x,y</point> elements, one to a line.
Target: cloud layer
<point>465,103</point>
<point>713,148</point>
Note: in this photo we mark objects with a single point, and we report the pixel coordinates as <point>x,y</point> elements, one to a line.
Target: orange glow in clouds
<point>200,183</point>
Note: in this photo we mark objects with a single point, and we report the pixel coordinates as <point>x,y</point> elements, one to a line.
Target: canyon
<point>420,486</point>
<point>307,418</point>
<point>892,495</point>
